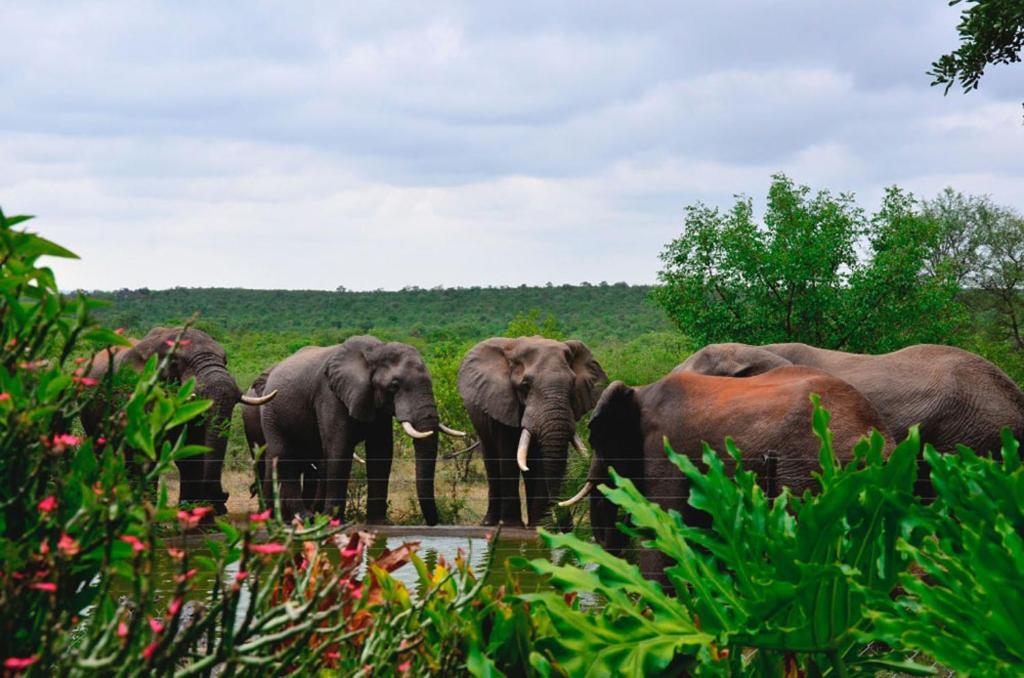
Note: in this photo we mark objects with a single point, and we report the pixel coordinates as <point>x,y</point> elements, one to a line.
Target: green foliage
<point>531,324</point>
<point>798,276</point>
<point>968,609</point>
<point>812,584</point>
<point>991,32</point>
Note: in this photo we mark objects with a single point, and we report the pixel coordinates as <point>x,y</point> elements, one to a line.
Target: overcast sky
<point>307,145</point>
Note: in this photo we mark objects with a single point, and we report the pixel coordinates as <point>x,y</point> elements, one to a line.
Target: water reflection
<point>477,550</point>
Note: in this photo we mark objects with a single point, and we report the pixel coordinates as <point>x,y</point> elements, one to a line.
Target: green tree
<point>991,32</point>
<point>816,269</point>
<point>531,323</point>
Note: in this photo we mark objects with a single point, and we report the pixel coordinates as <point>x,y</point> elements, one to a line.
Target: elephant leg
<point>311,486</point>
<point>493,469</point>
<point>338,445</point>
<point>281,454</point>
<point>191,473</point>
<point>379,455</point>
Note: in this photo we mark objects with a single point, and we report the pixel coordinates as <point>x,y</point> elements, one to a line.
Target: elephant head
<point>617,441</point>
<point>540,387</point>
<point>197,355</point>
<point>375,379</point>
<point>732,360</point>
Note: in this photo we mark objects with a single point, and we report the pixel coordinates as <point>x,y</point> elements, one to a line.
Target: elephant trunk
<point>426,461</point>
<point>215,383</point>
<point>553,433</point>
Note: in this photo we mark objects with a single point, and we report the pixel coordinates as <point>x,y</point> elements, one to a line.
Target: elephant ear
<point>350,377</point>
<point>156,342</point>
<point>485,380</point>
<point>590,378</point>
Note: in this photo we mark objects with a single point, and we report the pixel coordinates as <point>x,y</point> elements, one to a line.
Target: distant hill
<point>594,312</point>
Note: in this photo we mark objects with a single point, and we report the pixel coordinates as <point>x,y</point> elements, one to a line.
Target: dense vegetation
<point>823,584</point>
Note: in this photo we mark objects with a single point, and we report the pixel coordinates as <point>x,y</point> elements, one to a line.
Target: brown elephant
<point>197,356</point>
<point>955,396</point>
<point>768,417</point>
<point>524,397</point>
<point>331,399</point>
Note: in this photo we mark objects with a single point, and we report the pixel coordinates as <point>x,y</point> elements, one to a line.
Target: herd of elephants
<point>524,396</point>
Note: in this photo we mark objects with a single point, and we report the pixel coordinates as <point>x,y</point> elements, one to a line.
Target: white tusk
<point>524,446</point>
<point>579,496</point>
<point>358,458</point>
<point>452,432</point>
<point>261,400</point>
<point>577,442</point>
<point>413,433</point>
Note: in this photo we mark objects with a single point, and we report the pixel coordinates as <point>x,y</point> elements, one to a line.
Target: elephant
<point>524,396</point>
<point>767,416</point>
<point>332,398</point>
<point>197,356</point>
<point>955,396</point>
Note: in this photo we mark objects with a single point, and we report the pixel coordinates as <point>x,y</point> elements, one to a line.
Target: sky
<point>304,145</point>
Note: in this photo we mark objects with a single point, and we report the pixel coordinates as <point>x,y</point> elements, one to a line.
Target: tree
<point>815,270</point>
<point>531,324</point>
<point>991,32</point>
<point>1000,272</point>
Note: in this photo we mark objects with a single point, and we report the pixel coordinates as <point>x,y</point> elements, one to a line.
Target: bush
<point>807,583</point>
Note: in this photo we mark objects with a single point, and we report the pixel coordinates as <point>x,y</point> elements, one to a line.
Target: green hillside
<point>590,312</point>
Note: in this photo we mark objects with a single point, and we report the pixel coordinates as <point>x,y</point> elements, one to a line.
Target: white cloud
<point>381,145</point>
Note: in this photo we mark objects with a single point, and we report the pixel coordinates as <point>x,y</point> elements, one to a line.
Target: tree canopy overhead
<point>815,269</point>
<point>991,32</point>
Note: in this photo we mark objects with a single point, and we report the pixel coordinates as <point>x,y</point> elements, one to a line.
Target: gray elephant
<point>956,397</point>
<point>768,417</point>
<point>524,397</point>
<point>198,355</point>
<point>332,398</point>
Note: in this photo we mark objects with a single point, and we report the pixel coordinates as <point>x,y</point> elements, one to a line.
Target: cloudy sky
<point>307,145</point>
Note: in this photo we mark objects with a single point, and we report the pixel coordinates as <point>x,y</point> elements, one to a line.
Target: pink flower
<point>335,522</point>
<point>44,547</point>
<point>173,608</point>
<point>352,552</point>
<point>241,576</point>
<point>48,504</point>
<point>192,518</point>
<point>267,548</point>
<point>357,591</point>
<point>137,546</point>
<point>150,649</point>
<point>122,629</point>
<point>18,663</point>
<point>185,576</point>
<point>177,554</point>
<point>86,381</point>
<point>404,666</point>
<point>62,441</point>
<point>101,441</point>
<point>334,654</point>
<point>156,625</point>
<point>5,396</point>
<point>119,330</point>
<point>47,586</point>
<point>67,545</point>
<point>260,517</point>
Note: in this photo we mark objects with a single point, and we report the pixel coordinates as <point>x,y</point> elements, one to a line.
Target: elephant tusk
<point>579,496</point>
<point>358,458</point>
<point>524,446</point>
<point>577,442</point>
<point>258,400</point>
<point>452,432</point>
<point>413,433</point>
